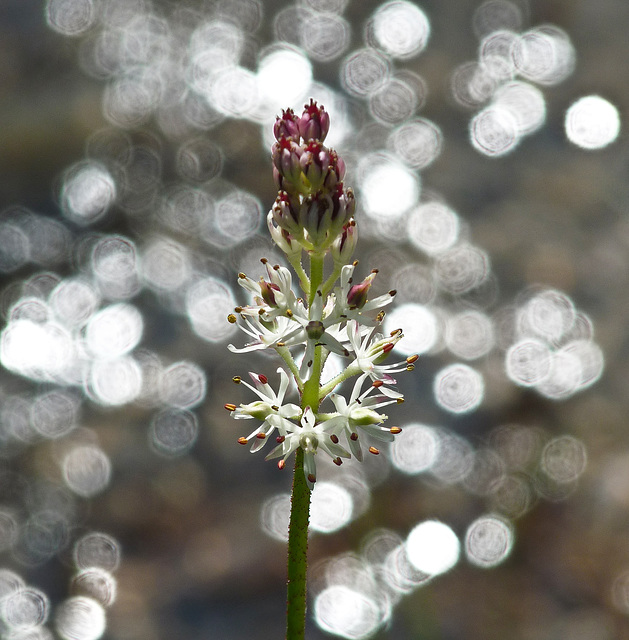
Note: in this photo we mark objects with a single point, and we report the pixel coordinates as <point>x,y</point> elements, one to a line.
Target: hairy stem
<point>300,499</point>
<point>297,553</point>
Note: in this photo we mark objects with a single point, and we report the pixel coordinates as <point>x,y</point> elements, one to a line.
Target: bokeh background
<point>135,178</point>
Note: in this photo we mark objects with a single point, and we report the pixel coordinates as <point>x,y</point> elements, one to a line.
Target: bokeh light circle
<point>488,541</point>
<point>401,29</point>
<point>346,612</point>
<point>592,123</point>
<point>459,388</point>
<point>432,547</point>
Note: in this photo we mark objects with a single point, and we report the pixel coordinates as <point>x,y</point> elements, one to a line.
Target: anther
<point>413,358</point>
<point>242,276</point>
<point>275,407</point>
<point>238,309</point>
<point>387,347</point>
<point>354,436</point>
<point>396,332</point>
<point>263,260</point>
<point>261,436</point>
<point>338,462</point>
<point>393,292</point>
<point>263,379</point>
<point>312,478</point>
<point>276,267</point>
<point>410,367</point>
<point>334,438</point>
<point>280,344</point>
<point>309,364</point>
<point>377,384</point>
<point>374,271</point>
<point>230,407</point>
<point>236,379</point>
<point>232,318</point>
<point>289,313</point>
<point>243,440</point>
<point>400,400</point>
<point>281,464</point>
<point>280,439</point>
<point>374,451</point>
<point>395,430</point>
<point>355,263</point>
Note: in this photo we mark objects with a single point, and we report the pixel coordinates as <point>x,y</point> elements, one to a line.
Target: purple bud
<point>315,163</point>
<point>287,126</point>
<point>285,154</point>
<point>357,295</point>
<point>314,123</point>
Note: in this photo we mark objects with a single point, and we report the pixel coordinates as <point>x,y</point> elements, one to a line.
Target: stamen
<point>410,367</point>
<point>275,407</point>
<point>395,430</point>
<point>393,292</point>
<point>263,260</point>
<point>243,440</point>
<point>238,309</point>
<point>312,478</point>
<point>337,461</point>
<point>236,379</point>
<point>261,436</point>
<point>387,347</point>
<point>276,267</point>
<point>280,344</point>
<point>231,318</point>
<point>263,379</point>
<point>374,451</point>
<point>354,436</point>
<point>413,358</point>
<point>280,439</point>
<point>355,263</point>
<point>281,464</point>
<point>400,400</point>
<point>242,276</point>
<point>289,313</point>
<point>396,332</point>
<point>230,407</point>
<point>377,384</point>
<point>334,438</point>
<point>374,271</point>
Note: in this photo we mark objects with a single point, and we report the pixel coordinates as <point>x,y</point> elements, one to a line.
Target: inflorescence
<point>313,214</point>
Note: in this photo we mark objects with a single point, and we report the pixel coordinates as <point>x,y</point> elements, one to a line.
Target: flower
<point>370,350</point>
<point>311,437</point>
<point>360,414</point>
<point>270,408</point>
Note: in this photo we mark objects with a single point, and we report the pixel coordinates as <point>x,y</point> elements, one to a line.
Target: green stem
<point>297,553</point>
<point>329,283</point>
<point>296,597</point>
<point>284,353</point>
<point>316,276</point>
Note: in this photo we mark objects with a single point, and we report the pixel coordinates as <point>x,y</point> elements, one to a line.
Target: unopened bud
<point>314,123</point>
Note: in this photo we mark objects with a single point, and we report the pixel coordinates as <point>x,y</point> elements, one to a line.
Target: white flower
<point>311,438</point>
<point>280,330</point>
<point>359,414</point>
<point>370,349</point>
<point>270,409</point>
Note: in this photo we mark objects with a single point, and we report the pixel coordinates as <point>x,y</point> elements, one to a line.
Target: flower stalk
<point>312,220</point>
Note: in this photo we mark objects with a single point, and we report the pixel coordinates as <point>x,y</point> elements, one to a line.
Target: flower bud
<point>314,123</point>
<point>287,126</point>
<point>315,163</point>
<point>343,247</point>
<point>357,295</point>
<point>285,154</point>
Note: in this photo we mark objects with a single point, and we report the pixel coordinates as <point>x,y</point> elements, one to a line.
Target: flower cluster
<point>313,216</point>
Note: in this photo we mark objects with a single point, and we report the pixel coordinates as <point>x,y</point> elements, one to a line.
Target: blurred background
<point>485,142</point>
